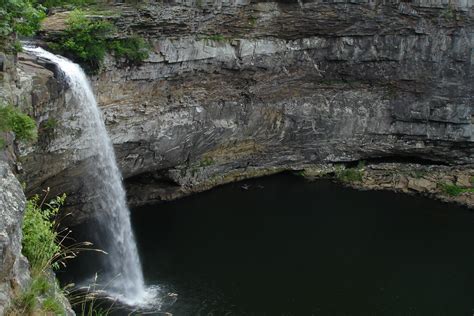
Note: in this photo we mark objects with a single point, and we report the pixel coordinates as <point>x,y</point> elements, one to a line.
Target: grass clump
<point>454,190</point>
<point>13,120</point>
<point>40,239</point>
<point>217,38</point>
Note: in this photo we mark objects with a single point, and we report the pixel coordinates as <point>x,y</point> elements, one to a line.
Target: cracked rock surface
<point>240,87</point>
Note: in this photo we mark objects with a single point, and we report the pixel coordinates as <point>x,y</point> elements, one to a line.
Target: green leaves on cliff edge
<point>84,40</point>
<point>87,40</point>
<point>13,120</point>
<point>134,49</point>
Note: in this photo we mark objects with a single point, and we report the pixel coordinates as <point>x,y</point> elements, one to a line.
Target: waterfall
<point>123,273</point>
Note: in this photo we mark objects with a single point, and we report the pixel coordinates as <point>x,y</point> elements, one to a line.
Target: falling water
<point>123,274</point>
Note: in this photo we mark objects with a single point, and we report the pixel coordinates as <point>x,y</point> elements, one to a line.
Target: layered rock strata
<point>244,87</point>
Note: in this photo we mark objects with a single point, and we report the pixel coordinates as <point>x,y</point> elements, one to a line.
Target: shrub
<point>87,41</point>
<point>84,40</point>
<point>134,49</point>
<point>351,174</point>
<point>20,16</point>
<point>12,119</point>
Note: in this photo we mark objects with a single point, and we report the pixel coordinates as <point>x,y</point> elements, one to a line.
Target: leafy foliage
<point>87,41</point>
<point>40,244</point>
<point>12,119</point>
<point>134,49</point>
<point>351,174</point>
<point>84,40</point>
<point>21,16</point>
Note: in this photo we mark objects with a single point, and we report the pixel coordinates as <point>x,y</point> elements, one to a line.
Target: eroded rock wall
<point>239,87</point>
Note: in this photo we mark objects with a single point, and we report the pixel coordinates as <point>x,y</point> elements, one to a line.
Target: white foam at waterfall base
<point>124,276</point>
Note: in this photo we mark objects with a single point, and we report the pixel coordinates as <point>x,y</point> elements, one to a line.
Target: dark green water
<point>290,247</point>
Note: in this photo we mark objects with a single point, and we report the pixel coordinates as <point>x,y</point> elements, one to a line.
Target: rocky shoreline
<point>454,184</point>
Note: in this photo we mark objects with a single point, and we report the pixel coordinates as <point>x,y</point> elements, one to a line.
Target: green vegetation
<point>454,190</point>
<point>84,40</point>
<point>41,246</point>
<point>86,303</point>
<point>67,3</point>
<point>40,239</point>
<point>300,173</point>
<point>351,174</point>
<point>252,21</point>
<point>13,120</point>
<point>133,49</point>
<point>20,16</point>
<point>449,12</point>
<point>23,17</point>
<point>49,126</point>
<point>88,40</point>
<point>217,38</point>
<point>206,161</point>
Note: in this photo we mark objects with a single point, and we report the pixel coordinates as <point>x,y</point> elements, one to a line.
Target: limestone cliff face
<point>234,88</point>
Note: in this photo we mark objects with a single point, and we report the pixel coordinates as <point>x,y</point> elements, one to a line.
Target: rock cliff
<point>235,88</point>
<point>14,269</point>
